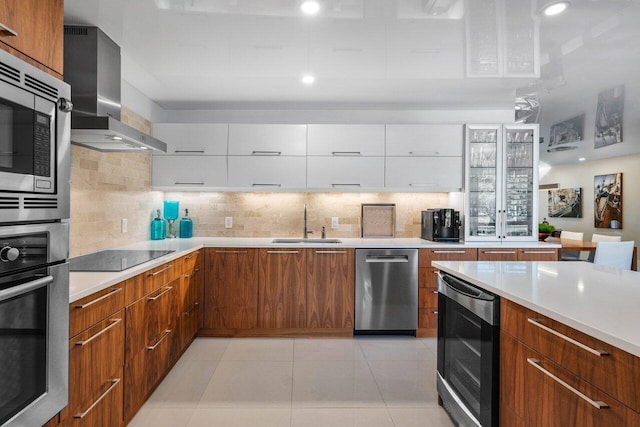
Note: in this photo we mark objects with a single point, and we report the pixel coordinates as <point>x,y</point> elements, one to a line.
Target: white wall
<point>582,175</point>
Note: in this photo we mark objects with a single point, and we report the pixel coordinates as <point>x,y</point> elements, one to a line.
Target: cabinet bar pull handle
<point>114,322</point>
<point>596,404</point>
<point>435,292</point>
<point>189,183</point>
<point>282,252</point>
<point>161,271</point>
<point>345,185</point>
<point>188,151</point>
<point>195,306</point>
<point>167,289</point>
<point>422,184</point>
<point>166,334</point>
<point>6,31</point>
<point>196,253</point>
<point>188,276</point>
<point>498,252</point>
<point>331,252</point>
<point>258,184</point>
<point>537,323</point>
<point>231,252</point>
<point>266,153</point>
<point>538,252</point>
<point>423,153</point>
<point>435,312</point>
<point>114,383</point>
<point>346,153</point>
<point>105,296</point>
<point>449,252</point>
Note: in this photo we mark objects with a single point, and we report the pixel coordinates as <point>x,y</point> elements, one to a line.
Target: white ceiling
<point>200,54</point>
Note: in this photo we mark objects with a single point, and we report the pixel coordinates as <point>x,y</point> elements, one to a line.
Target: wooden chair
<point>615,254</point>
<point>571,255</point>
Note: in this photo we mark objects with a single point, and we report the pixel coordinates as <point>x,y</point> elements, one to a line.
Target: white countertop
<point>602,302</point>
<point>83,284</point>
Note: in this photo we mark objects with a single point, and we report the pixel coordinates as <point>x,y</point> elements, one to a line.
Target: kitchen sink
<point>306,241</point>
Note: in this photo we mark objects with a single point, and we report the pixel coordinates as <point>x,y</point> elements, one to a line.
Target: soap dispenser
<point>158,227</point>
<point>186,226</point>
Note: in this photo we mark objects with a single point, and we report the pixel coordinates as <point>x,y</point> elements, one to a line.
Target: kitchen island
<point>569,341</point>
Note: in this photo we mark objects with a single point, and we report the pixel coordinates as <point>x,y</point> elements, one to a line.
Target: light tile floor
<point>299,382</point>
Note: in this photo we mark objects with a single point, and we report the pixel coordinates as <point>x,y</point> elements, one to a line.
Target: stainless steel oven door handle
<point>473,299</point>
<point>25,287</point>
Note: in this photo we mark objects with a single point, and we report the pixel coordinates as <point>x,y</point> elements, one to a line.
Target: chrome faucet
<point>305,232</point>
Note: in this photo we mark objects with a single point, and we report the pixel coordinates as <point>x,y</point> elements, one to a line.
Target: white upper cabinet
<point>267,140</point>
<point>425,140</point>
<point>189,173</point>
<point>424,174</point>
<point>346,140</point>
<point>193,138</point>
<point>267,173</point>
<point>345,173</point>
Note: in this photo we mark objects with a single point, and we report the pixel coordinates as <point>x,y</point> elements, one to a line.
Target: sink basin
<point>306,241</point>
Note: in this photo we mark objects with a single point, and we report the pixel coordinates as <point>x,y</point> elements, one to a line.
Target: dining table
<point>582,245</point>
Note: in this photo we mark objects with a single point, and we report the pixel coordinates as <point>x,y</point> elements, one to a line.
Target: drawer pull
<point>435,312</point>
<point>189,151</point>
<point>345,185</point>
<point>189,183</point>
<point>538,252</point>
<point>596,404</point>
<point>282,252</point>
<point>266,153</point>
<point>231,252</point>
<point>449,252</point>
<point>331,252</point>
<point>164,337</point>
<point>6,31</point>
<point>196,253</point>
<point>346,153</point>
<point>114,322</point>
<point>161,271</point>
<point>114,383</point>
<point>599,353</point>
<point>259,184</point>
<point>192,309</point>
<point>424,153</point>
<point>189,276</point>
<point>498,252</point>
<point>105,296</point>
<point>167,289</point>
<point>435,292</point>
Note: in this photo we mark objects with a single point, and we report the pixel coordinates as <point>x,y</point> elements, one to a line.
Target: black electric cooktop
<point>113,260</point>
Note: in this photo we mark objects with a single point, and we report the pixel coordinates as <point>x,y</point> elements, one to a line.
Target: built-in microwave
<point>34,143</point>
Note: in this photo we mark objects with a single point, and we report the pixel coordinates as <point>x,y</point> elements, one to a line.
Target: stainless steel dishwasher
<point>386,290</point>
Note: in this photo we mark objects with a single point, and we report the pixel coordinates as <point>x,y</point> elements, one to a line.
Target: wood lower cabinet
<point>189,302</point>
<point>36,34</point>
<point>282,291</point>
<point>231,291</point>
<point>330,288</point>
<point>555,379</point>
<point>428,285</point>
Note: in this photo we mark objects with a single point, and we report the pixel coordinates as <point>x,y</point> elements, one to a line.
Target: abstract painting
<point>608,201</point>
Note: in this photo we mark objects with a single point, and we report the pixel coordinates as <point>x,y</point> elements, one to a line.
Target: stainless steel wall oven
<point>468,352</point>
<point>34,322</point>
<point>34,143</point>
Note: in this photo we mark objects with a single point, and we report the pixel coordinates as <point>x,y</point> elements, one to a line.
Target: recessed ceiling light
<point>581,159</point>
<point>310,7</point>
<point>308,79</point>
<point>117,138</point>
<point>555,8</point>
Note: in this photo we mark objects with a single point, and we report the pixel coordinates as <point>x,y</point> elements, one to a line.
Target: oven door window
<point>23,350</point>
<point>16,138</point>
<point>463,350</point>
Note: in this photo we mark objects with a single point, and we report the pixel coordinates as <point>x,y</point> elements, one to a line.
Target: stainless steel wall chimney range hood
<point>92,68</point>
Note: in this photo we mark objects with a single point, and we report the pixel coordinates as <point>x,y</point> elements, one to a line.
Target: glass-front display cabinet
<point>501,182</point>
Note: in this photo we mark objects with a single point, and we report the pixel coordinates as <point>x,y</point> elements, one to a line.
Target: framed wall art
<point>565,203</point>
<point>608,201</point>
<point>609,114</point>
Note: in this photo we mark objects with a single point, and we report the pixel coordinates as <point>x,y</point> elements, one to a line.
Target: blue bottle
<point>158,228</point>
<point>186,226</point>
